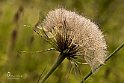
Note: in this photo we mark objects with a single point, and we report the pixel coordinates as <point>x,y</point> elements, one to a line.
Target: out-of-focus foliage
<point>18,67</point>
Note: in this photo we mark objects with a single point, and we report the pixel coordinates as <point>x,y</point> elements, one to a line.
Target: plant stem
<point>113,53</point>
<point>55,65</point>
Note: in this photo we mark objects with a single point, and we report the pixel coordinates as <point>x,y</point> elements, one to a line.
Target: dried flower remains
<point>74,36</point>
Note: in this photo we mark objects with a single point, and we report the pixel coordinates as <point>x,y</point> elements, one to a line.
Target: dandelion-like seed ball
<point>75,36</point>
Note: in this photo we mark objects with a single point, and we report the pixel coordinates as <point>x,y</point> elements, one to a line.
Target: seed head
<point>75,36</point>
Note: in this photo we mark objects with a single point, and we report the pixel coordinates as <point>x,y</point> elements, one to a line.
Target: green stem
<point>55,65</point>
<point>113,53</point>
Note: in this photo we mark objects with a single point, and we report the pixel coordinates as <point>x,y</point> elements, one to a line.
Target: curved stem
<point>55,65</point>
<point>113,53</point>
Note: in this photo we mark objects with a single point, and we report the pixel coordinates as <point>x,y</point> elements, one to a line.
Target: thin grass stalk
<point>112,54</point>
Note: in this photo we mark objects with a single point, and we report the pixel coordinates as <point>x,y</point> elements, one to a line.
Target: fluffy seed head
<point>76,36</point>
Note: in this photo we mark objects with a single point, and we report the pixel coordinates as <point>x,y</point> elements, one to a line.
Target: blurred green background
<point>18,67</point>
